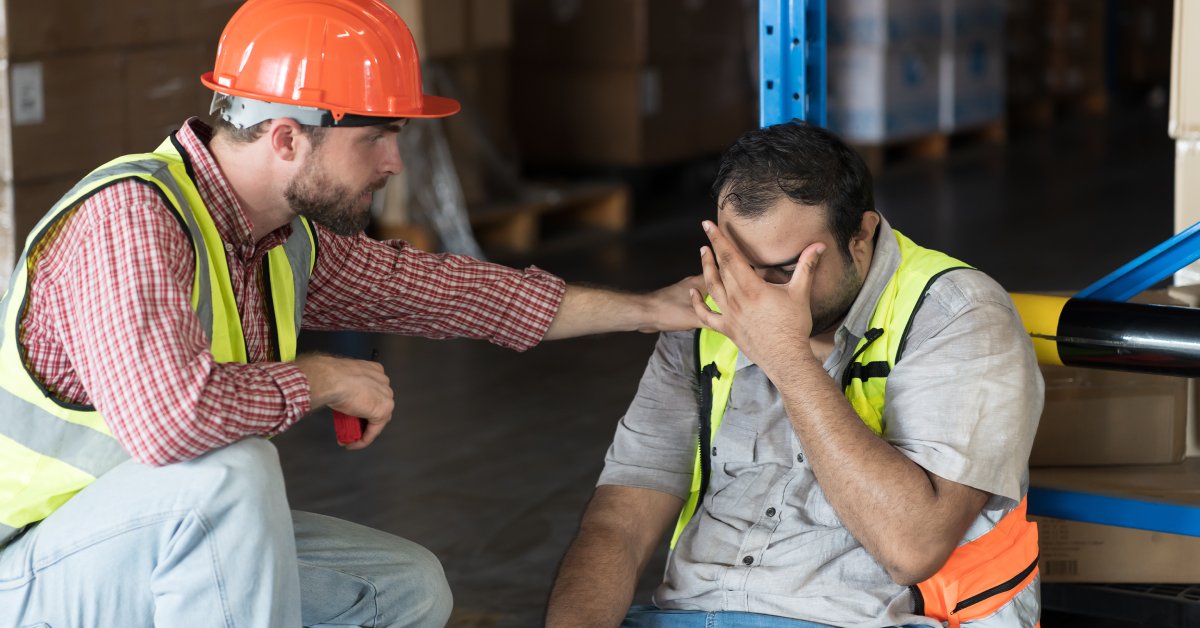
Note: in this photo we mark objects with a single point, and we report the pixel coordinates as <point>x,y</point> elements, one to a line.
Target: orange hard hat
<point>323,62</point>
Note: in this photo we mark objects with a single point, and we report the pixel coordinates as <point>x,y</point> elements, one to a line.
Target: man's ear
<point>864,238</point>
<point>284,136</point>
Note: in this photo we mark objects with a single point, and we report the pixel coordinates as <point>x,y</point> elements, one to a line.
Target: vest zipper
<point>1007,585</point>
<point>707,374</point>
<point>872,335</point>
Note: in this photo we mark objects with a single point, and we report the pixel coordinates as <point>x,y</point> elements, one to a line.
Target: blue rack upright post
<point>791,61</point>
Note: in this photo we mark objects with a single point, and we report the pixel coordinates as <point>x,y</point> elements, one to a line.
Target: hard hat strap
<point>247,112</point>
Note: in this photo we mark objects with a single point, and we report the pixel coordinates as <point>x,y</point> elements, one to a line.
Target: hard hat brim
<point>431,106</point>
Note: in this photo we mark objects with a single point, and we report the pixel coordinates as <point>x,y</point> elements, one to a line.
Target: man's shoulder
<point>959,290</point>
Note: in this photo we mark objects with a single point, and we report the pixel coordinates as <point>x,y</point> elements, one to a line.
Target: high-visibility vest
<point>51,449</point>
<point>981,575</point>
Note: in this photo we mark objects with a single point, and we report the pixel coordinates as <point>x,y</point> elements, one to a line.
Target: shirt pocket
<point>734,468</point>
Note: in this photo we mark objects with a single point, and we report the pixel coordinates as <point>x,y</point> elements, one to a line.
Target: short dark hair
<point>804,162</point>
<point>250,134</point>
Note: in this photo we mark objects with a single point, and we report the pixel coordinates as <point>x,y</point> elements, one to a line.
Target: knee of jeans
<point>419,594</point>
<point>246,470</point>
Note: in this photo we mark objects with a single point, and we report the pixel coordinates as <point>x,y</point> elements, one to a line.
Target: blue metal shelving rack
<point>792,75</point>
<point>791,61</point>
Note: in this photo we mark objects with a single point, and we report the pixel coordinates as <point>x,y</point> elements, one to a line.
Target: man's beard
<point>826,315</point>
<point>336,207</point>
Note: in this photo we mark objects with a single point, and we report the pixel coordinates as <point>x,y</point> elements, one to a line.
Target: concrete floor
<point>493,454</point>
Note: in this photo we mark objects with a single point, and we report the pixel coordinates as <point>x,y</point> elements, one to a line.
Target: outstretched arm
<point>586,310</point>
<point>618,534</point>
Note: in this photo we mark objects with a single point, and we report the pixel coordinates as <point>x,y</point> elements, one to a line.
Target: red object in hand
<point>348,428</point>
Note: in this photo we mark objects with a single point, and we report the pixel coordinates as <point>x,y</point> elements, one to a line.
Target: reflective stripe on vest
<point>49,449</point>
<point>992,557</point>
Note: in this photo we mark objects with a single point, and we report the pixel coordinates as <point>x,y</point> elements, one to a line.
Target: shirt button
<point>770,512</point>
<point>228,247</point>
<point>799,457</point>
<point>749,560</point>
<point>714,452</point>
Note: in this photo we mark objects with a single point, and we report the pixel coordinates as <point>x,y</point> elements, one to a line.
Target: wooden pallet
<point>518,226</point>
<point>930,146</point>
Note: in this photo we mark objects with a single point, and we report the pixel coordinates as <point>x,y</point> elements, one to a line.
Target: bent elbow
<point>915,565</point>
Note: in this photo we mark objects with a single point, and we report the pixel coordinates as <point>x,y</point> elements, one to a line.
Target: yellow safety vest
<point>51,449</point>
<point>980,576</point>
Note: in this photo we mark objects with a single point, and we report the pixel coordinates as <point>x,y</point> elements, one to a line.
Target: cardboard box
<point>55,26</point>
<point>67,113</point>
<point>615,34</point>
<point>438,26</point>
<point>884,22</point>
<point>1185,67</point>
<point>879,94</point>
<point>1086,552</point>
<point>490,24</point>
<point>1098,417</point>
<point>1187,199</point>
<point>200,22</point>
<point>1189,294</point>
<point>1101,417</point>
<point>162,89</point>
<point>1079,552</point>
<point>972,84</point>
<point>972,19</point>
<point>631,117</point>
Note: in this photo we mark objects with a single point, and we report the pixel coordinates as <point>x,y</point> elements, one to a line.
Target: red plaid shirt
<point>109,320</point>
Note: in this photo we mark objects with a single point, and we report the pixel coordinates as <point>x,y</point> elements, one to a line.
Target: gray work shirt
<point>963,403</point>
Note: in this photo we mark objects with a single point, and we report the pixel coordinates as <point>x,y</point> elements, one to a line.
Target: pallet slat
<point>516,226</point>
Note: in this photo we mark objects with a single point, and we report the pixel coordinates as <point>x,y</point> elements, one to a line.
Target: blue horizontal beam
<point>1148,269</point>
<point>1115,511</point>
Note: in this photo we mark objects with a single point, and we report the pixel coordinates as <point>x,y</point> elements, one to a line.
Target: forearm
<point>595,582</point>
<point>585,311</point>
<point>192,411</point>
<point>617,536</point>
<point>364,285</point>
<point>888,502</point>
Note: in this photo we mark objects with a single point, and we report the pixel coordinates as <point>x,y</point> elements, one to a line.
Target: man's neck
<point>258,194</point>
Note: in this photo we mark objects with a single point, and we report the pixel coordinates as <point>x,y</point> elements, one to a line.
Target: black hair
<point>807,164</point>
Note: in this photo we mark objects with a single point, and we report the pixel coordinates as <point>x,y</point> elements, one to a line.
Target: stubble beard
<point>335,206</point>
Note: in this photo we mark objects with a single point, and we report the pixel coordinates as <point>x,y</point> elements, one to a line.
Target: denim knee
<point>245,473</point>
<point>418,593</point>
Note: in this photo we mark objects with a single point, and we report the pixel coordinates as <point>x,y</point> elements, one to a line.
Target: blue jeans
<point>652,617</point>
<point>212,542</point>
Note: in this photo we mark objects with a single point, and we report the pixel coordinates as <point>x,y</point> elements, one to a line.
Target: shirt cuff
<point>294,388</point>
<point>536,308</point>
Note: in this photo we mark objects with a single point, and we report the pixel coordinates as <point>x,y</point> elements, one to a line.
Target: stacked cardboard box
<point>88,81</point>
<point>631,82</point>
<point>1075,50</point>
<point>1184,125</point>
<point>1073,551</point>
<point>972,64</point>
<point>1096,417</point>
<point>883,68</point>
<point>1123,435</point>
<point>464,48</point>
<point>1056,52</point>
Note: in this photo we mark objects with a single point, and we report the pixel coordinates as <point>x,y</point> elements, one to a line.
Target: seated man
<point>847,441</point>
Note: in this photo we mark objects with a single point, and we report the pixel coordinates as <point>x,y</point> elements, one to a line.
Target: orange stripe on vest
<point>983,575</point>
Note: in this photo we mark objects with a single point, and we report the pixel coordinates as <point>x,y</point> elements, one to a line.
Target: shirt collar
<point>884,262</point>
<point>217,193</point>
